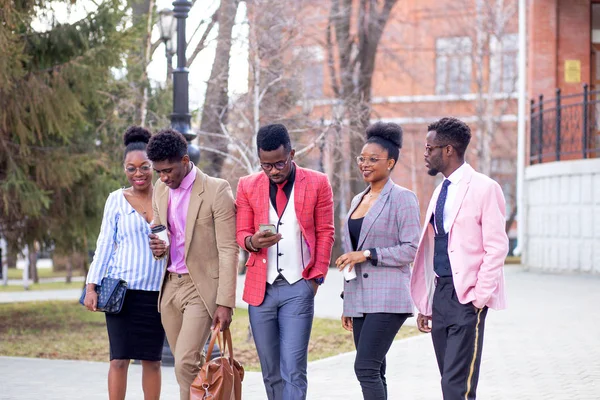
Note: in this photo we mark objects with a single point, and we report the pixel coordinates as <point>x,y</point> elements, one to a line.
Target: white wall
<point>563,216</point>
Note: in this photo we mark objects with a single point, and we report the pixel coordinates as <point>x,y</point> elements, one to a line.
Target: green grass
<point>65,330</point>
<point>54,329</point>
<point>43,286</point>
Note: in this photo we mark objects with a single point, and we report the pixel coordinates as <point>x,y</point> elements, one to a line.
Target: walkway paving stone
<point>546,346</point>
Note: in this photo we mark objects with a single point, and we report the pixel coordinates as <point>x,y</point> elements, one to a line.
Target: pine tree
<point>55,91</point>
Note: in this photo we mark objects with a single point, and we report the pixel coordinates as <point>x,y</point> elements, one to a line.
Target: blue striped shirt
<point>123,249</point>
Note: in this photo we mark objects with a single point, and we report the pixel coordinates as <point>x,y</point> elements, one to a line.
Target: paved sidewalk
<point>41,295</point>
<point>544,347</point>
<point>19,282</point>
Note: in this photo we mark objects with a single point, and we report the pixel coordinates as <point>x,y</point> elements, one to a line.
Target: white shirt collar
<point>457,175</point>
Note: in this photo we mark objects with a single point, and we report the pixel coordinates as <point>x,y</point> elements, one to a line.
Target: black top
<point>354,226</point>
<point>287,188</point>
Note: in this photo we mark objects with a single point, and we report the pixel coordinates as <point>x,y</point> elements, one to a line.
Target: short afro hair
<point>388,135</point>
<point>167,145</point>
<point>454,132</point>
<point>135,138</point>
<point>273,136</point>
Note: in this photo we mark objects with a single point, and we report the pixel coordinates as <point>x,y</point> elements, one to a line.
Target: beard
<point>433,171</point>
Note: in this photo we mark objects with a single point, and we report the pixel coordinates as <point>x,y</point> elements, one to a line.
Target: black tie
<point>439,208</point>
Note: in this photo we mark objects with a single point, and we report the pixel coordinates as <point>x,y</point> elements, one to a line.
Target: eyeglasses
<point>429,148</point>
<point>144,169</point>
<point>368,160</point>
<point>279,165</point>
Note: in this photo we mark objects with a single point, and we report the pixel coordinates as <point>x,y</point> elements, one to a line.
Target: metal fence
<point>565,127</point>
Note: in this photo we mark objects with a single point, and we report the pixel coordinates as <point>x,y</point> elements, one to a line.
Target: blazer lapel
<point>355,202</point>
<point>374,212</point>
<point>463,187</point>
<point>163,205</point>
<point>193,208</point>
<point>299,193</point>
<point>262,193</point>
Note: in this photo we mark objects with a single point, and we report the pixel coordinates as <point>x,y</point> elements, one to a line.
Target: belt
<point>444,279</point>
<point>174,275</point>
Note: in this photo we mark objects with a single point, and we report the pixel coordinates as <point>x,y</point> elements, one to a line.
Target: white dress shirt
<point>454,179</point>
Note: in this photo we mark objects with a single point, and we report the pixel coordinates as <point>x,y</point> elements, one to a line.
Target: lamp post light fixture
<point>168,29</point>
<point>181,117</point>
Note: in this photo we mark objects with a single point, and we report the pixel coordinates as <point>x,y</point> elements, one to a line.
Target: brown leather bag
<point>221,378</point>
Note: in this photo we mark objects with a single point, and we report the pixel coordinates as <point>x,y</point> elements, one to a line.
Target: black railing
<point>565,127</point>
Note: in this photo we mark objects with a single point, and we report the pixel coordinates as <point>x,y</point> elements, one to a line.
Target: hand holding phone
<point>266,236</point>
<point>270,229</point>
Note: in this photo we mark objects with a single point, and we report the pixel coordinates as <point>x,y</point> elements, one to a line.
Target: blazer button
<point>264,260</point>
<point>365,275</point>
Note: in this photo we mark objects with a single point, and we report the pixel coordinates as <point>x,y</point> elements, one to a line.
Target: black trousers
<point>373,336</point>
<point>457,333</point>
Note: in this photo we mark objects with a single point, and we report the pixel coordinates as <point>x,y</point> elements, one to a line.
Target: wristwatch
<point>367,254</point>
<point>319,281</point>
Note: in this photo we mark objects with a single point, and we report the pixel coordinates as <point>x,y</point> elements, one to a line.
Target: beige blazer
<point>211,252</point>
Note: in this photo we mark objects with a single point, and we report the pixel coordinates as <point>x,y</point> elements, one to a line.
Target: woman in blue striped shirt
<point>122,252</point>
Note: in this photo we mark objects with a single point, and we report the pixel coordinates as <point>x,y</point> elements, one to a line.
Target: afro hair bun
<point>136,134</point>
<point>388,131</point>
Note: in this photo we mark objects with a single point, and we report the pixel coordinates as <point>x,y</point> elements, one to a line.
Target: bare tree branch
<point>330,60</point>
<point>267,86</point>
<point>202,43</point>
<point>313,144</point>
<point>225,155</point>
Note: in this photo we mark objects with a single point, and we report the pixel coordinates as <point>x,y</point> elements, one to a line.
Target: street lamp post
<point>167,29</point>
<point>181,117</point>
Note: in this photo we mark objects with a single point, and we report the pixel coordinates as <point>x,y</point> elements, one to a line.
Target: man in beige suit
<point>198,288</point>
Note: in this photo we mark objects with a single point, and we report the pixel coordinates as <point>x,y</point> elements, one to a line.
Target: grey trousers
<point>281,327</point>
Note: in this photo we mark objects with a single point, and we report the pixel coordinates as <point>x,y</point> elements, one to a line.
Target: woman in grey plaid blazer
<point>380,240</point>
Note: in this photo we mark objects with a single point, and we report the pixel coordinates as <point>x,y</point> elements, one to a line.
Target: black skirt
<point>136,333</point>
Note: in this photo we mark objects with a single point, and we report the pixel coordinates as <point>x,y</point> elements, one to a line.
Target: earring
<point>389,169</point>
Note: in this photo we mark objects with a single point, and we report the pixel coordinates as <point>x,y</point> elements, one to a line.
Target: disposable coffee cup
<point>161,232</point>
<point>349,275</point>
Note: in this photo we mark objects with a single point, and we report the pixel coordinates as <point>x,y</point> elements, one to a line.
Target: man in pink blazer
<point>458,268</point>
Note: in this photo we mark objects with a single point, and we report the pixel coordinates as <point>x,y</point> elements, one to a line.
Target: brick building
<point>563,46</point>
<point>562,181</point>
<point>435,59</point>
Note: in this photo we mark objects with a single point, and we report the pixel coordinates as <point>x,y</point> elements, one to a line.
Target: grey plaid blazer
<point>392,228</point>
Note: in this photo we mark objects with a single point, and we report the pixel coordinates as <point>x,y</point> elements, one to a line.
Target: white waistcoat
<point>291,254</point>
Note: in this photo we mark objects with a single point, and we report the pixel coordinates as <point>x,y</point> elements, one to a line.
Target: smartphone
<point>268,228</point>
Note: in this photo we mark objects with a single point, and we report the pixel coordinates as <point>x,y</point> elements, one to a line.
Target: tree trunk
<point>216,101</point>
<point>351,81</point>
<point>142,12</point>
<point>32,262</point>
<point>69,267</point>
<point>144,84</point>
<point>11,257</point>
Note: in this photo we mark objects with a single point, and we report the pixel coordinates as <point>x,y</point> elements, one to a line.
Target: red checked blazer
<point>313,199</point>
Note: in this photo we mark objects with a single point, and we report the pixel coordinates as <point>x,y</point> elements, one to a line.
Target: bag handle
<point>228,343</point>
<point>226,339</point>
<point>215,335</point>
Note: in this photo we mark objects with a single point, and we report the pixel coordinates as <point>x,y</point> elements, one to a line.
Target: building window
<point>453,65</point>
<point>313,81</point>
<point>311,59</point>
<point>503,62</point>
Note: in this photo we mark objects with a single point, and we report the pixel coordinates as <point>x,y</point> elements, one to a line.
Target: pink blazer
<point>477,246</point>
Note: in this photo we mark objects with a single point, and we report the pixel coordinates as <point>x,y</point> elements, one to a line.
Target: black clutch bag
<point>111,294</point>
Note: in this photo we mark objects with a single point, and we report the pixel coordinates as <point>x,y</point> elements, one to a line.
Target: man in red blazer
<point>285,222</point>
